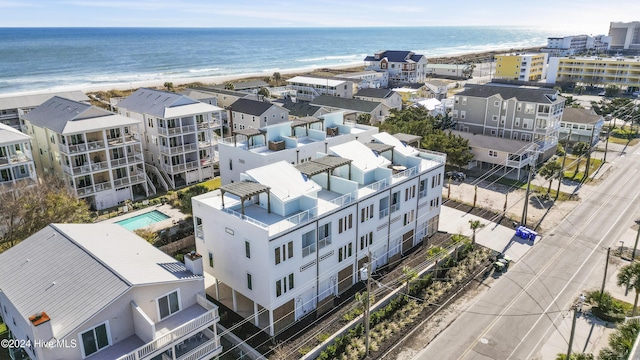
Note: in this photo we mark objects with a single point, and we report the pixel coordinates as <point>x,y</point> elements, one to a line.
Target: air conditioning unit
<point>276,145</point>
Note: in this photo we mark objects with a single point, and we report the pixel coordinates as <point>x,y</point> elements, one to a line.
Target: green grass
<point>212,184</point>
<point>571,164</point>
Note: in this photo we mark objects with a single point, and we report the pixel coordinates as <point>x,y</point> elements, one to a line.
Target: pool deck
<point>174,216</point>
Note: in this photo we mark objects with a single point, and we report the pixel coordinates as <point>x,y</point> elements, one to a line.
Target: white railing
<point>159,176</point>
<point>343,200</point>
<point>405,173</point>
<point>384,213</point>
<point>308,250</point>
<point>128,180</point>
<point>324,242</point>
<point>208,348</point>
<point>103,186</point>
<point>199,232</point>
<point>202,321</point>
<point>245,217</point>
<point>95,145</point>
<point>177,130</point>
<point>150,184</point>
<point>181,167</point>
<point>432,155</point>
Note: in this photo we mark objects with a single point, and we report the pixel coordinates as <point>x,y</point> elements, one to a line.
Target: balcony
<point>177,130</point>
<point>174,169</point>
<point>128,180</point>
<point>126,160</point>
<point>128,139</point>
<point>85,168</point>
<point>72,149</point>
<point>185,333</point>
<point>178,149</point>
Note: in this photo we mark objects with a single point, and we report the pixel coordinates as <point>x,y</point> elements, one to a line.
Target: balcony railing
<point>180,167</point>
<point>201,322</point>
<point>324,242</point>
<point>133,179</point>
<point>126,160</point>
<point>121,140</point>
<point>177,130</point>
<point>72,149</point>
<point>178,149</point>
<point>308,250</point>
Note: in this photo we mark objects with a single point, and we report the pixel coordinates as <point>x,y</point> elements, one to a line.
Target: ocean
<point>39,59</point>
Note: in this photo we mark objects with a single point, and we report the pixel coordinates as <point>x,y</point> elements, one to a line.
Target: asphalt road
<point>518,314</point>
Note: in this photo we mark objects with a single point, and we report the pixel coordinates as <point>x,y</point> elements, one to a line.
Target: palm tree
<point>629,276</point>
<point>277,77</point>
<point>475,225</point>
<point>578,356</point>
<point>550,171</point>
<point>408,275</point>
<point>621,341</point>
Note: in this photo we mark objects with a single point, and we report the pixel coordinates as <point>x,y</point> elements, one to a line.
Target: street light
<point>635,246</point>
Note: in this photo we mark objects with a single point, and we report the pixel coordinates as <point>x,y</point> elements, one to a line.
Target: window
<point>366,213</point>
<point>517,122</point>
<point>281,285</point>
<point>324,235</point>
<point>527,123</point>
<point>463,114</point>
<point>309,243</point>
<point>345,223</point>
<point>384,207</point>
<point>95,339</point>
<point>290,281</point>
<point>210,259</point>
<point>366,240</point>
<point>464,100</point>
<point>496,103</point>
<point>345,252</point>
<point>289,249</point>
<point>247,249</point>
<point>529,108</point>
<point>493,153</point>
<point>494,117</point>
<point>493,132</point>
<point>249,282</point>
<point>277,255</point>
<point>422,189</point>
<point>278,288</point>
<point>455,114</point>
<point>395,201</point>
<point>409,193</point>
<point>409,217</point>
<point>434,203</point>
<point>169,304</point>
<point>435,180</point>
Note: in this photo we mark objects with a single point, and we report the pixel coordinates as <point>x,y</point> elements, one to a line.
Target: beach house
<point>17,168</point>
<point>97,153</point>
<point>180,135</point>
<point>100,292</point>
<point>308,88</point>
<point>390,98</point>
<point>401,66</point>
<point>287,239</point>
<point>354,109</point>
<point>584,125</point>
<point>12,106</point>
<point>526,114</point>
<point>248,113</point>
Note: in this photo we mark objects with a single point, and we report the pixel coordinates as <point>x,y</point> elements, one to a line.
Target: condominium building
<point>180,135</point>
<point>625,35</point>
<point>576,44</point>
<point>308,88</point>
<point>16,160</point>
<point>401,66</point>
<point>295,142</point>
<point>100,292</point>
<point>98,154</point>
<point>12,106</point>
<point>526,114</point>
<point>522,67</point>
<point>286,240</point>
<point>619,71</point>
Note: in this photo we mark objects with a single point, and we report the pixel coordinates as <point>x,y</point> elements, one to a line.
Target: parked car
<point>456,175</point>
<point>602,93</point>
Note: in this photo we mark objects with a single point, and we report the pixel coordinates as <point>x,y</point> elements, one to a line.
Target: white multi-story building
<point>180,135</point>
<point>16,160</point>
<point>100,292</point>
<point>287,239</point>
<point>368,79</point>
<point>98,154</point>
<point>625,35</point>
<point>576,44</point>
<point>295,142</point>
<point>401,66</point>
<point>308,88</point>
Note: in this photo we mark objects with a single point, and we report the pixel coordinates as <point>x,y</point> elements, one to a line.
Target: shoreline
<point>473,56</point>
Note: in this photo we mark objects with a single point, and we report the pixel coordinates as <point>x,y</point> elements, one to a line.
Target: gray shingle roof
<point>154,102</point>
<point>73,271</point>
<point>345,104</point>
<point>397,56</point>
<point>535,95</point>
<point>56,112</point>
<point>374,93</point>
<point>251,107</point>
<point>300,108</point>
<point>580,116</point>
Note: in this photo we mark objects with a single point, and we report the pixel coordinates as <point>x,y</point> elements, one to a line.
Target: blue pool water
<point>142,220</point>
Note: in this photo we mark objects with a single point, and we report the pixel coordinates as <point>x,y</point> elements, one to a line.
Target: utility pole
<point>586,171</point>
<point>564,159</point>
<point>604,279</point>
<point>635,246</point>
<point>368,307</point>
<point>573,329</point>
<point>523,222</point>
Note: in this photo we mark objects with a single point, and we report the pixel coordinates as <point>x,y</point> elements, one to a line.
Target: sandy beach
<point>470,57</point>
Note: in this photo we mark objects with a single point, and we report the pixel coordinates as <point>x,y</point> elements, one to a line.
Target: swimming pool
<point>142,220</point>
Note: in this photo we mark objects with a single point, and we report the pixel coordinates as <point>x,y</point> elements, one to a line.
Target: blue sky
<point>587,16</point>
